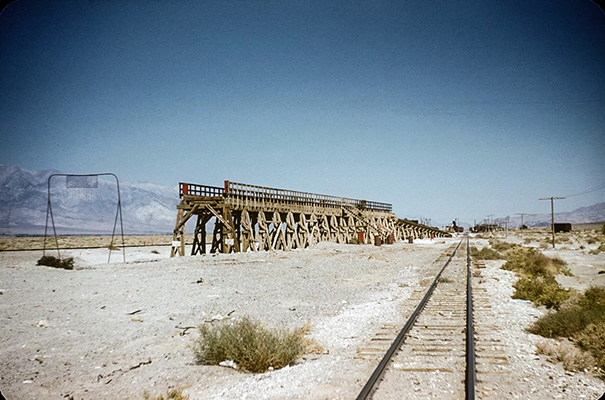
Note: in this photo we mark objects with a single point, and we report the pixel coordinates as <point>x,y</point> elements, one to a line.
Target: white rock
<point>42,324</point>
<point>228,364</point>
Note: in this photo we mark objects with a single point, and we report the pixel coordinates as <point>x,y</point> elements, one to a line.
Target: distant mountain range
<point>582,215</point>
<point>147,208</point>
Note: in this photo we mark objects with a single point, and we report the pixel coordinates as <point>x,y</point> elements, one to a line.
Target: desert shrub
<point>50,261</point>
<point>593,300</point>
<point>599,249</point>
<point>174,394</point>
<point>113,247</point>
<point>582,321</point>
<point>353,241</point>
<point>249,344</point>
<point>561,266</point>
<point>155,252</point>
<point>529,262</point>
<point>572,358</point>
<point>502,246</point>
<point>565,322</point>
<point>527,241</point>
<point>603,229</point>
<point>537,272</point>
<point>485,254</point>
<point>574,317</point>
<point>591,241</point>
<point>592,339</point>
<point>540,290</point>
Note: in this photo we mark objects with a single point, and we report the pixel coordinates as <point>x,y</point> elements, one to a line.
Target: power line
<point>594,189</point>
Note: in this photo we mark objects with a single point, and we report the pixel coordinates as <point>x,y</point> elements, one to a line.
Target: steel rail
<point>470,332</point>
<point>372,383</point>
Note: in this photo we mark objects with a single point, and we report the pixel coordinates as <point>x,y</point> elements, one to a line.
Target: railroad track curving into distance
<point>436,343</point>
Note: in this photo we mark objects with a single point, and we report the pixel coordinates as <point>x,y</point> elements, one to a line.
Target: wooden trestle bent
<point>256,218</point>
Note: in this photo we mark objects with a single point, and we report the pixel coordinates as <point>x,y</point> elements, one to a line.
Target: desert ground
<point>116,330</point>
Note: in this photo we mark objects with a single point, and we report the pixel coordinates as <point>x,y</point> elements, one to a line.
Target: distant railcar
<point>562,227</point>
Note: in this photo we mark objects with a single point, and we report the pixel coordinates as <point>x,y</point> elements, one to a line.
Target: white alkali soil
<point>116,330</point>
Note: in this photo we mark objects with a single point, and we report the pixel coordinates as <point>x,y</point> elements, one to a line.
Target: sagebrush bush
<point>537,272</point>
<point>502,246</point>
<point>249,344</point>
<point>581,320</point>
<point>50,261</point>
<point>485,254</point>
<point>592,339</point>
<point>540,290</point>
<point>531,262</point>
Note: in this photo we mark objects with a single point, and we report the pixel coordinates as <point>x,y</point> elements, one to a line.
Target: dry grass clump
<point>502,246</point>
<point>485,254</point>
<point>250,345</point>
<point>50,261</point>
<point>581,320</point>
<point>572,358</point>
<point>537,281</point>
<point>592,339</point>
<point>174,394</point>
<point>599,249</point>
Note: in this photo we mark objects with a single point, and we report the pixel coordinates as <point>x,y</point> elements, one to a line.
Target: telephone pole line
<point>552,214</point>
<point>521,227</point>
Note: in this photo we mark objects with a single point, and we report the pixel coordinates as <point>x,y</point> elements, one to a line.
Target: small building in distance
<point>485,228</point>
<point>562,227</point>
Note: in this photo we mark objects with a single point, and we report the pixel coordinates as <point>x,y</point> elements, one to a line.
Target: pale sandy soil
<point>38,242</point>
<point>80,333</point>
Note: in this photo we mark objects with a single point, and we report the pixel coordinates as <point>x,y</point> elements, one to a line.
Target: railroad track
<point>433,356</point>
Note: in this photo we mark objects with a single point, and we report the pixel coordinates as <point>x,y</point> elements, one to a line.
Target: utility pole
<point>552,214</point>
<point>521,227</point>
<point>506,219</point>
<point>489,223</point>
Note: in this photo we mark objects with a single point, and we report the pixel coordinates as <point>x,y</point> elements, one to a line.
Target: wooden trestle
<point>249,217</point>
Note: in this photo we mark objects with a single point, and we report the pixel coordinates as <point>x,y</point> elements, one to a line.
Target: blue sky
<point>447,109</point>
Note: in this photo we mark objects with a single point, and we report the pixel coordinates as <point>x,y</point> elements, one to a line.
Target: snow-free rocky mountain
<point>582,215</point>
<point>147,208</point>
